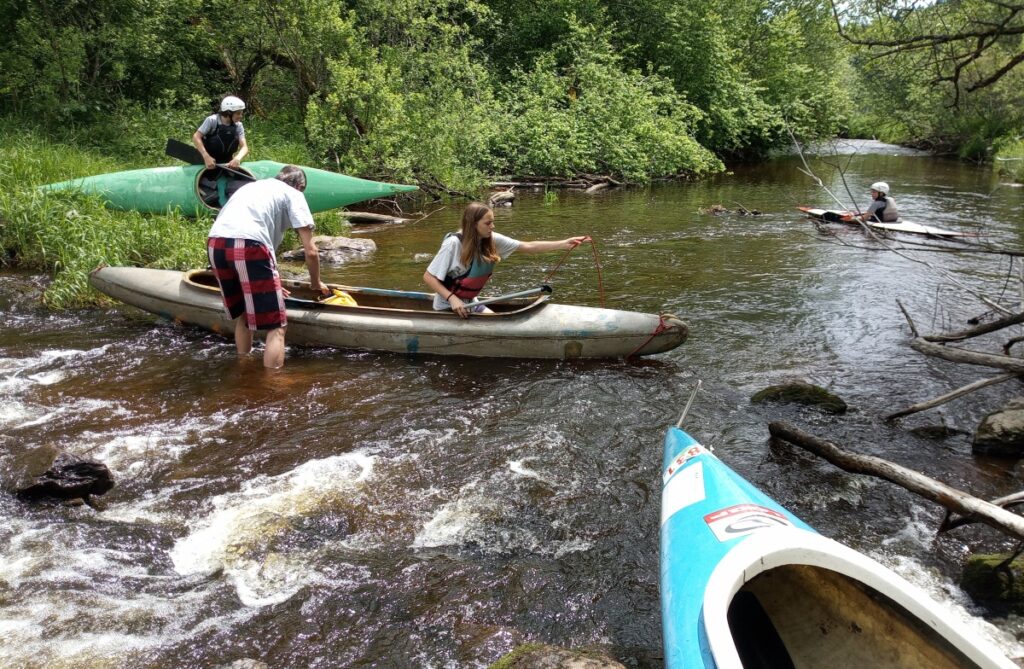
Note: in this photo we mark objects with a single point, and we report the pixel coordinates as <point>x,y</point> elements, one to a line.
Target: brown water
<point>363,509</point>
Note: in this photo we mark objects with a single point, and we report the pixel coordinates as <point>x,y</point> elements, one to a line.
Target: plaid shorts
<point>249,282</point>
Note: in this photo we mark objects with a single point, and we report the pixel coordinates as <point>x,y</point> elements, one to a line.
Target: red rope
<point>662,327</point>
<point>597,264</point>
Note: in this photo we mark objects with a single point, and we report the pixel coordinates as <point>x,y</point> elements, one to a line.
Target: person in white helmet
<point>221,137</point>
<point>882,208</point>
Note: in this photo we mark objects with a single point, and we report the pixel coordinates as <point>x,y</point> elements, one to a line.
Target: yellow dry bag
<point>340,298</point>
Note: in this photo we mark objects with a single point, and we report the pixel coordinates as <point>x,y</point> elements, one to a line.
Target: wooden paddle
<point>191,155</point>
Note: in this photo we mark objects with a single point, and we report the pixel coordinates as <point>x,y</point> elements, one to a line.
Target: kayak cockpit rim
<point>782,548</point>
<point>205,196</point>
<point>373,300</point>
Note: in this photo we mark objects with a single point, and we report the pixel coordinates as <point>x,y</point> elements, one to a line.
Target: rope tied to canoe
<point>662,326</point>
<point>597,264</point>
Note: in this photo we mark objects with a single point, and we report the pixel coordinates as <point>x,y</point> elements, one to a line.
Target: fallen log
<point>357,217</point>
<point>952,522</point>
<point>1015,319</point>
<point>1010,364</point>
<point>916,482</point>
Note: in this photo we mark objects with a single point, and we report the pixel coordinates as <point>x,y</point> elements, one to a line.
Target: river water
<point>361,509</point>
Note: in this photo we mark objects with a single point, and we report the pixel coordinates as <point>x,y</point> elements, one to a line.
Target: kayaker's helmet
<point>231,104</point>
<point>881,187</point>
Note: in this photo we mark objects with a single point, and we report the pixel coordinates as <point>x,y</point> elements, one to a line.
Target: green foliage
<point>69,235</point>
<point>427,89</point>
<point>408,102</point>
<point>590,115</point>
<point>1010,158</point>
<point>907,96</point>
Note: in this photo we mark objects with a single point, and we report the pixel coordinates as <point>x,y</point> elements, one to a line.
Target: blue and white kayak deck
<point>745,583</point>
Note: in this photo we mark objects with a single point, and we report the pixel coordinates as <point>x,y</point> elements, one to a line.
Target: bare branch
<point>959,392</point>
<point>916,482</point>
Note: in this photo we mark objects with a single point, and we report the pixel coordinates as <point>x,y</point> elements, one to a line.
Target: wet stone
<point>50,473</point>
<point>994,585</point>
<point>1001,433</point>
<point>801,392</point>
<point>334,250</point>
<point>541,656</point>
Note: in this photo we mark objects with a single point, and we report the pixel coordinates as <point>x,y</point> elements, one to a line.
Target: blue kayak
<point>746,584</point>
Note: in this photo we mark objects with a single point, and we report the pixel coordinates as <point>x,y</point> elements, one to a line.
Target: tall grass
<point>1010,159</point>
<point>69,234</point>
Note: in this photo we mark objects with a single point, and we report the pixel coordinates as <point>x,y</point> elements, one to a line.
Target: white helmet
<point>231,104</point>
<point>881,187</point>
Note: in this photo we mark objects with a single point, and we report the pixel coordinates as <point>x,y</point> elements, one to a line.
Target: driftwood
<point>952,499</point>
<point>928,345</point>
<point>583,181</point>
<point>1014,319</point>
<point>959,392</point>
<point>502,198</point>
<point>358,217</point>
<point>965,356</point>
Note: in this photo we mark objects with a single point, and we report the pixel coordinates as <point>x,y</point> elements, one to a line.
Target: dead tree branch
<point>916,482</point>
<point>953,354</point>
<point>959,392</point>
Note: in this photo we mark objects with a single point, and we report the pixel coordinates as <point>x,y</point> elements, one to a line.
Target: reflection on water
<point>375,510</point>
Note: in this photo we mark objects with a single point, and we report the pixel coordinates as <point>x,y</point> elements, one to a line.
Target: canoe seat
<point>757,641</point>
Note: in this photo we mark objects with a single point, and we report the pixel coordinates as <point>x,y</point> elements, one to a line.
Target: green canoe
<point>159,189</point>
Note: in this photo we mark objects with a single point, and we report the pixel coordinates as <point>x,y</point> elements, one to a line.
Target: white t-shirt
<point>448,262</point>
<point>263,211</point>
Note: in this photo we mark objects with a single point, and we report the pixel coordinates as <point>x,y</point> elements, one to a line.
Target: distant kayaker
<point>221,137</point>
<point>241,247</point>
<point>466,259</point>
<point>882,208</point>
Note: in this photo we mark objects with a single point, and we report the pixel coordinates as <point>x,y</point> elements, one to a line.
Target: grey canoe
<point>405,322</point>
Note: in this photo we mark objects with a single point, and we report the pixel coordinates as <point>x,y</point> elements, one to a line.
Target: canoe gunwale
<point>188,278</point>
<point>780,547</point>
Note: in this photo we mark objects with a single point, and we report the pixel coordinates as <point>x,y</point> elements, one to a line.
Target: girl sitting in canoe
<point>466,259</point>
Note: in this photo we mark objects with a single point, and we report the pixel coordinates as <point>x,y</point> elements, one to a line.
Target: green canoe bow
<point>160,189</point>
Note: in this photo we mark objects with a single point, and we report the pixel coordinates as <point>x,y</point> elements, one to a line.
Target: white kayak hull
<point>836,216</point>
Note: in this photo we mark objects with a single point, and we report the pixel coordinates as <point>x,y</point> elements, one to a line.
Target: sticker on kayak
<point>743,519</point>
<point>683,490</point>
<point>680,460</point>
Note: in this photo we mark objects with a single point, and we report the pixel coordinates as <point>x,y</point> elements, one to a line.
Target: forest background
<point>451,94</point>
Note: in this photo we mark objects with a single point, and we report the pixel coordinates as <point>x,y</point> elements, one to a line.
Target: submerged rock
<point>1001,433</point>
<point>936,431</point>
<point>50,473</point>
<point>801,392</point>
<point>998,588</point>
<point>541,656</point>
<point>335,250</point>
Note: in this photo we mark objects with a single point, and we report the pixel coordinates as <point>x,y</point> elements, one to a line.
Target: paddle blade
<point>183,151</point>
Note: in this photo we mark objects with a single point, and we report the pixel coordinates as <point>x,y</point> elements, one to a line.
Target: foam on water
<point>518,467</point>
<point>486,519</point>
<point>70,603</point>
<point>238,535</point>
